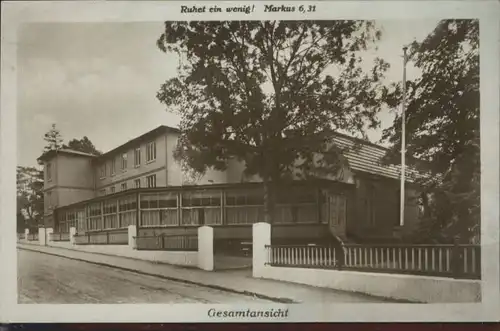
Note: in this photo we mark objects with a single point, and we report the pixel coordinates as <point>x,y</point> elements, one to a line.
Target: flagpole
<point>403,143</point>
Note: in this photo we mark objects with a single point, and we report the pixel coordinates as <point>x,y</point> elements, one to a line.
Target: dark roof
<point>50,154</point>
<point>148,135</point>
<point>367,157</point>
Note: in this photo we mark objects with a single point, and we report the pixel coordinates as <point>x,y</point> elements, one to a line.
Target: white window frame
<point>123,186</point>
<point>137,181</point>
<point>151,152</point>
<point>113,166</point>
<point>137,157</point>
<point>124,161</point>
<point>112,189</point>
<point>103,171</point>
<point>149,180</point>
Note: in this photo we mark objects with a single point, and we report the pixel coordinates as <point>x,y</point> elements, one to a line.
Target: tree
<point>442,126</point>
<point>30,195</point>
<point>21,221</point>
<point>83,145</point>
<point>269,94</point>
<point>53,138</point>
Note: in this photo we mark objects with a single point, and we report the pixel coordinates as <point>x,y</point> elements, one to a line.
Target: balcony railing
<point>457,261</point>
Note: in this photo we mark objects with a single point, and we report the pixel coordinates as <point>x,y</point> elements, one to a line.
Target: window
<point>94,218</point>
<point>113,166</point>
<point>159,209</point>
<point>137,183</point>
<point>124,161</point>
<point>61,225</point>
<point>137,157</point>
<point>110,214</point>
<point>245,198</point>
<point>336,210</point>
<point>297,204</point>
<point>151,181</point>
<point>81,224</point>
<point>127,211</point>
<point>202,207</point>
<point>151,151</point>
<point>49,171</point>
<point>103,170</point>
<point>244,206</point>
<point>103,191</point>
<point>112,189</point>
<point>124,186</point>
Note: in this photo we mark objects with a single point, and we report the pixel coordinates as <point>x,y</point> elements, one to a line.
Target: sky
<point>100,80</point>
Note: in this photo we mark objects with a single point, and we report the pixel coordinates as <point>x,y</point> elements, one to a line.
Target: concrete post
<point>261,236</point>
<point>26,234</point>
<point>132,233</point>
<point>41,236</point>
<point>72,233</point>
<point>206,248</point>
<point>48,236</point>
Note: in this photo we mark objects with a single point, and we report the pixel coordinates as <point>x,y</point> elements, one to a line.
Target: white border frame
<point>16,13</point>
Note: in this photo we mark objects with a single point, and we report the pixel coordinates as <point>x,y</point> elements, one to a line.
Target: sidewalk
<point>236,281</point>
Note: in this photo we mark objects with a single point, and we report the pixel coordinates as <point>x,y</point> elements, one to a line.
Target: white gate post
<point>26,234</point>
<point>206,248</point>
<point>261,237</point>
<point>72,233</point>
<point>47,236</point>
<point>132,233</point>
<point>41,236</point>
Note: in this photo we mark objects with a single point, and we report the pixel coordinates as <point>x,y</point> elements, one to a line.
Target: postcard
<point>236,161</point>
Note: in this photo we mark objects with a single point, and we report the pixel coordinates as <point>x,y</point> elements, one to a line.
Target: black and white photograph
<point>254,160</point>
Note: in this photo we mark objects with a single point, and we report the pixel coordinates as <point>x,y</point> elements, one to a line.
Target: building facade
<point>141,183</point>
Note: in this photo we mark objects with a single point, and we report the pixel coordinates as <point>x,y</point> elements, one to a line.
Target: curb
<point>215,287</point>
<point>112,255</point>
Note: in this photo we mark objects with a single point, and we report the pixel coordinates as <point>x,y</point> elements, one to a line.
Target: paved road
<point>46,278</point>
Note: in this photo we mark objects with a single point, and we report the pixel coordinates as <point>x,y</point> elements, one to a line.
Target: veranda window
<point>94,216</point>
<point>71,219</point>
<point>297,205</point>
<point>159,209</point>
<point>81,225</point>
<point>335,209</point>
<point>201,208</point>
<point>244,206</point>
<point>110,214</point>
<point>61,222</point>
<point>127,210</point>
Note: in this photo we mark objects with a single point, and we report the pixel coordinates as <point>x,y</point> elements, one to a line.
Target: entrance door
<point>337,206</point>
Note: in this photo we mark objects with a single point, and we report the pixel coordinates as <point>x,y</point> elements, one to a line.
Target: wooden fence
<point>32,237</point>
<point>59,236</point>
<point>457,261</point>
<point>167,242</point>
<point>105,237</point>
